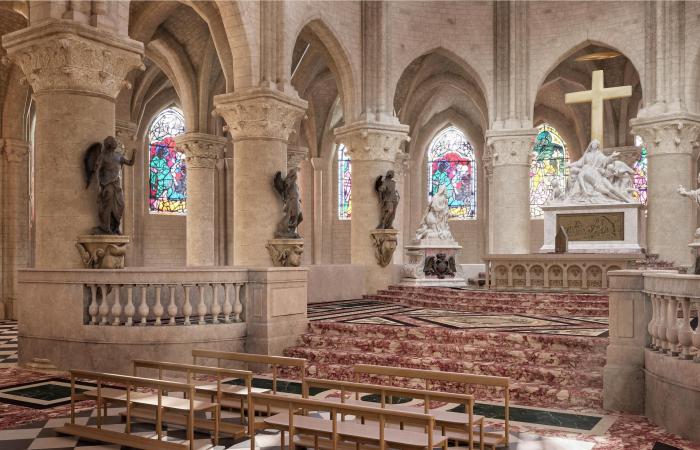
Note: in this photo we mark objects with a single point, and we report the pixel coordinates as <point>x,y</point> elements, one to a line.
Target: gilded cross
<point>595,97</point>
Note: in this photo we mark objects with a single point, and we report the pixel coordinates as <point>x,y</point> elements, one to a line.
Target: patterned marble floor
<point>374,312</point>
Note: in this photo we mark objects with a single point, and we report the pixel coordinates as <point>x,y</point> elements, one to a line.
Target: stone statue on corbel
<point>695,245</point>
<point>384,238</point>
<point>287,246</point>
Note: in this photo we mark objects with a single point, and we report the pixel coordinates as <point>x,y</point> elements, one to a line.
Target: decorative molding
<point>669,133</point>
<point>510,147</point>
<point>260,113</point>
<point>201,150</point>
<point>64,56</point>
<point>370,141</point>
<point>14,150</point>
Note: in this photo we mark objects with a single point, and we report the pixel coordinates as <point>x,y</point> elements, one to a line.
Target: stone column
<point>16,221</point>
<point>126,134</point>
<point>374,148</point>
<point>76,73</point>
<point>630,313</point>
<point>202,152</point>
<point>260,121</point>
<point>490,201</point>
<point>510,197</point>
<point>672,150</point>
<point>318,165</point>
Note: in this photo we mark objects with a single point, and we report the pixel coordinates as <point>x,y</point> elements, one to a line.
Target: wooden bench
<point>338,433</point>
<point>215,390</point>
<point>463,422</point>
<point>364,372</point>
<point>156,398</point>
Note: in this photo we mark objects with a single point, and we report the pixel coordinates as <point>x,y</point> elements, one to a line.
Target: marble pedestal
<point>593,220</point>
<point>102,251</point>
<point>414,274</point>
<point>285,252</point>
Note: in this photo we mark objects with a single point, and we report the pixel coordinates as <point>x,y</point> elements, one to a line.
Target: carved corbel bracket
<point>385,243</point>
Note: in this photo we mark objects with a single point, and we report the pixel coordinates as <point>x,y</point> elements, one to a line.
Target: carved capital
<point>371,141</point>
<point>510,147</point>
<point>15,151</point>
<point>669,133</point>
<point>260,113</point>
<point>201,150</point>
<point>61,55</point>
<point>295,155</point>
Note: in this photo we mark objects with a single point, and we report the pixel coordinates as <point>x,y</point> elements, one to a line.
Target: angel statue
<point>388,199</point>
<point>289,191</point>
<point>101,158</point>
<point>434,222</point>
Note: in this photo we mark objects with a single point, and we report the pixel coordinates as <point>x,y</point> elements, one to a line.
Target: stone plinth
<point>385,243</point>
<point>285,252</point>
<point>102,251</point>
<point>627,239</point>
<point>442,268</point>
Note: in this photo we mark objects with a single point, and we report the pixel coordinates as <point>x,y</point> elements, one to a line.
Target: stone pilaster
<point>672,149</point>
<point>318,164</point>
<point>509,194</point>
<point>374,148</point>
<point>125,133</point>
<point>295,155</point>
<point>16,221</point>
<point>76,73</point>
<point>202,152</point>
<point>260,121</point>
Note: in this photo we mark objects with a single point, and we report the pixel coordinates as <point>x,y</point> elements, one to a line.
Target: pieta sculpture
<point>434,223</point>
<point>287,188</point>
<point>103,160</point>
<point>385,186</point>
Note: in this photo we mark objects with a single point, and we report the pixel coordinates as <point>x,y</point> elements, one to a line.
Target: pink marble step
<point>500,295</point>
<point>514,341</point>
<point>528,373</point>
<point>534,394</point>
<point>496,308</point>
<point>464,352</point>
<point>600,302</point>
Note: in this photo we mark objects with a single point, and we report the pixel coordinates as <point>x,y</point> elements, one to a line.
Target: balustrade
<point>105,303</point>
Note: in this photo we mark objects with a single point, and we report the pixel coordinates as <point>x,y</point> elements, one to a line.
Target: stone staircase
<point>549,304</point>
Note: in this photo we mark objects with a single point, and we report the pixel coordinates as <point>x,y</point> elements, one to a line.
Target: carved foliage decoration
<point>385,243</point>
<point>202,150</point>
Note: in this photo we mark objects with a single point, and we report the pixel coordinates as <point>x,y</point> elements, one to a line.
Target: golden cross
<point>595,97</point>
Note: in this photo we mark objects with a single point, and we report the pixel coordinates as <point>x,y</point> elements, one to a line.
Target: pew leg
<point>282,440</point>
<point>217,420</point>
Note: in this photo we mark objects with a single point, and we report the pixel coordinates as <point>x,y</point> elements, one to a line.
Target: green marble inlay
<point>392,400</point>
<point>536,416</point>
<point>47,392</point>
<point>287,387</point>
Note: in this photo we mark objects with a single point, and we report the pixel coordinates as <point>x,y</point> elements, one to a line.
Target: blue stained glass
<point>344,184</point>
<point>549,163</point>
<point>167,168</point>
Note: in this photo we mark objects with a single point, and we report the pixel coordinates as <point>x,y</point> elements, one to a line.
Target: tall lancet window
<point>344,184</point>
<point>640,173</point>
<point>548,165</point>
<point>167,170</point>
<point>451,163</point>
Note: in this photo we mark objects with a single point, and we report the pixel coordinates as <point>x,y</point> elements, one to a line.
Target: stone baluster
<point>227,303</point>
<point>104,306</point>
<point>158,307</point>
<point>201,306</point>
<point>215,308</point>
<point>92,309</point>
<point>662,324</point>
<point>187,306</point>
<point>672,326</point>
<point>143,306</point>
<point>172,307</point>
<point>651,328</point>
<point>129,309</point>
<point>237,304</point>
<point>117,307</point>
<point>685,334</point>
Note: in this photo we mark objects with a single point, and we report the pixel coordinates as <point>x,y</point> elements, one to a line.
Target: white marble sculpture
<point>693,195</point>
<point>597,179</point>
<point>434,223</point>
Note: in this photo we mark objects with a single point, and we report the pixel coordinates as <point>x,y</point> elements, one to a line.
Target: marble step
<point>464,352</point>
<point>532,394</point>
<point>407,297</point>
<point>496,308</point>
<point>514,341</point>
<point>529,299</point>
<point>517,296</point>
<point>529,373</point>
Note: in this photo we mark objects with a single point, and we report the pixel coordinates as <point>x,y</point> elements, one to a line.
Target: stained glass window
<point>167,170</point>
<point>640,174</point>
<point>451,163</point>
<point>344,184</point>
<point>549,163</point>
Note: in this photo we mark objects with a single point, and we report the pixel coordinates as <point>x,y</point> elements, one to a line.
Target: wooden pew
<point>337,433</point>
<point>463,422</point>
<point>490,439</point>
<point>216,390</point>
<point>157,399</point>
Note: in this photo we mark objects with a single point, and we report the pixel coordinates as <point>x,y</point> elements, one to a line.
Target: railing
<point>163,303</point>
<point>675,302</point>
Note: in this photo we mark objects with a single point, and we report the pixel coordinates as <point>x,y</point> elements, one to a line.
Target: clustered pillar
<point>509,196</point>
<point>260,121</point>
<point>202,152</point>
<point>75,87</point>
<point>374,149</point>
